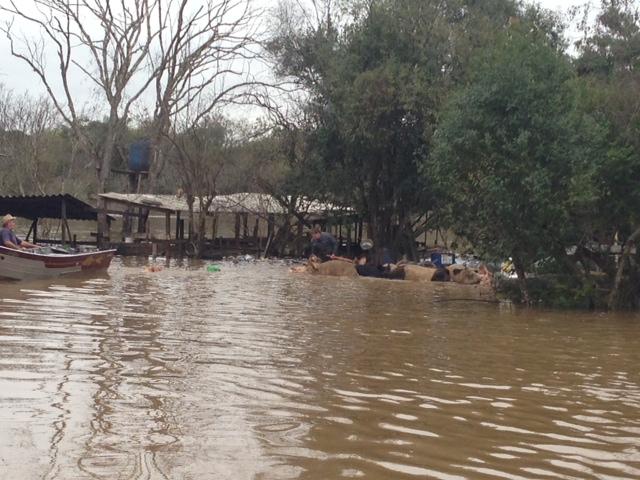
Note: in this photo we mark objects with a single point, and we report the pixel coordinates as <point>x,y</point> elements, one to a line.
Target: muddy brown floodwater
<point>255,373</point>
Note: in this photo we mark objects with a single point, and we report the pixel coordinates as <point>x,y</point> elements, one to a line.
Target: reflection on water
<point>255,373</point>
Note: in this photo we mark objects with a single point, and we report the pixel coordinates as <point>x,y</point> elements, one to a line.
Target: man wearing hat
<point>8,238</point>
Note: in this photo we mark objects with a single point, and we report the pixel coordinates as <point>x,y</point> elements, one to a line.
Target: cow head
<point>464,275</point>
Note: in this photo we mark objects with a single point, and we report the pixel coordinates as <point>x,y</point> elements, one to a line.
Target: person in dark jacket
<point>323,244</point>
<point>366,269</point>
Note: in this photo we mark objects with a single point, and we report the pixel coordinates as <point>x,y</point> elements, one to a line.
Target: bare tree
<point>28,161</point>
<point>124,48</point>
<point>200,150</point>
<point>103,41</point>
<point>205,63</point>
<point>131,50</point>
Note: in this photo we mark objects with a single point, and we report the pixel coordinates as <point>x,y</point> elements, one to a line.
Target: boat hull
<point>25,265</point>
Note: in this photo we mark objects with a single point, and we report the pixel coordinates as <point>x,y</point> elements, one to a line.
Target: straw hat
<point>7,218</point>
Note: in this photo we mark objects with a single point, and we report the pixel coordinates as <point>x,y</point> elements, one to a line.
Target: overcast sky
<point>15,75</point>
<point>559,4</point>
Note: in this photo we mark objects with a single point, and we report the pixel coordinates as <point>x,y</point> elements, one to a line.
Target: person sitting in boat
<point>323,244</point>
<point>9,238</point>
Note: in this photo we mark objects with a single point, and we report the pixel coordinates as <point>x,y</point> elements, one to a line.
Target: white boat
<point>44,263</point>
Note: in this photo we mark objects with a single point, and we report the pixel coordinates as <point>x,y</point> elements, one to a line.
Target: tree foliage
<point>506,150</point>
<point>376,83</point>
<point>609,69</point>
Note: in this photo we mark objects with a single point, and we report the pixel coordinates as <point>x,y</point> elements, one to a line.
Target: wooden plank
<point>167,225</point>
<point>121,212</point>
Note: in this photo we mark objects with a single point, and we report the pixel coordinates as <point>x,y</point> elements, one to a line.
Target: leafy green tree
<point>376,83</point>
<point>506,149</point>
<point>609,67</point>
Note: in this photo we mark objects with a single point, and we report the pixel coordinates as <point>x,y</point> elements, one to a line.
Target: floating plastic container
<point>213,268</point>
<point>443,259</point>
<point>140,156</point>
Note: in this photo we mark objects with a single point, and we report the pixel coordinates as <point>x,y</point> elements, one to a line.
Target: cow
<point>334,268</point>
<point>413,273</point>
<point>417,273</point>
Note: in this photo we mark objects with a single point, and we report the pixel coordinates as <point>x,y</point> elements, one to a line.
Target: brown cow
<point>417,273</point>
<point>464,275</point>
<point>412,273</point>
<point>335,268</point>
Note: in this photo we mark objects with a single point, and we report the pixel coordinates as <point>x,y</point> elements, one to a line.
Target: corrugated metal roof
<point>264,203</point>
<point>47,206</point>
<point>234,203</point>
<point>169,203</point>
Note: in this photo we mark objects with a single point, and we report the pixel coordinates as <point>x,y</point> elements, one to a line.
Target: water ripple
<point>252,372</point>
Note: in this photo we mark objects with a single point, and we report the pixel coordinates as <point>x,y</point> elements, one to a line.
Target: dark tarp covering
<point>47,206</point>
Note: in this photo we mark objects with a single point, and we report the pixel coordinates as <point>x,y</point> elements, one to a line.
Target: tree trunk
<point>522,282</point>
<point>199,240</point>
<point>104,168</point>
<point>103,224</point>
<point>616,297</point>
<point>381,232</point>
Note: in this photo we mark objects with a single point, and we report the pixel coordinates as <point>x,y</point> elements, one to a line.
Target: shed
<point>262,206</point>
<point>34,207</point>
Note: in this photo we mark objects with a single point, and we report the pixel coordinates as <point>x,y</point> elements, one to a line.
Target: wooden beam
<point>30,230</point>
<point>237,230</point>
<point>128,172</point>
<point>63,220</point>
<point>167,224</point>
<point>137,205</point>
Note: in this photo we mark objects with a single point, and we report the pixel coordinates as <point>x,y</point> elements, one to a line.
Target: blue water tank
<point>140,156</point>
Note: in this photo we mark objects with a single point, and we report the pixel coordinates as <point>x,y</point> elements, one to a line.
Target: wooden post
<point>63,216</point>
<point>256,229</point>
<point>271,224</point>
<point>237,230</point>
<point>103,224</point>
<point>299,246</point>
<point>167,234</point>
<point>245,226</point>
<point>214,227</point>
<point>177,225</point>
<point>31,229</point>
<point>127,219</point>
<point>69,236</point>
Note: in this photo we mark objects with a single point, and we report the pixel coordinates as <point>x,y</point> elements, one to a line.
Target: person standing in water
<point>323,244</point>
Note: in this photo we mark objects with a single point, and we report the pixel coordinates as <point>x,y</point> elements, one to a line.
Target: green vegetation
<point>513,144</point>
<point>478,117</point>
